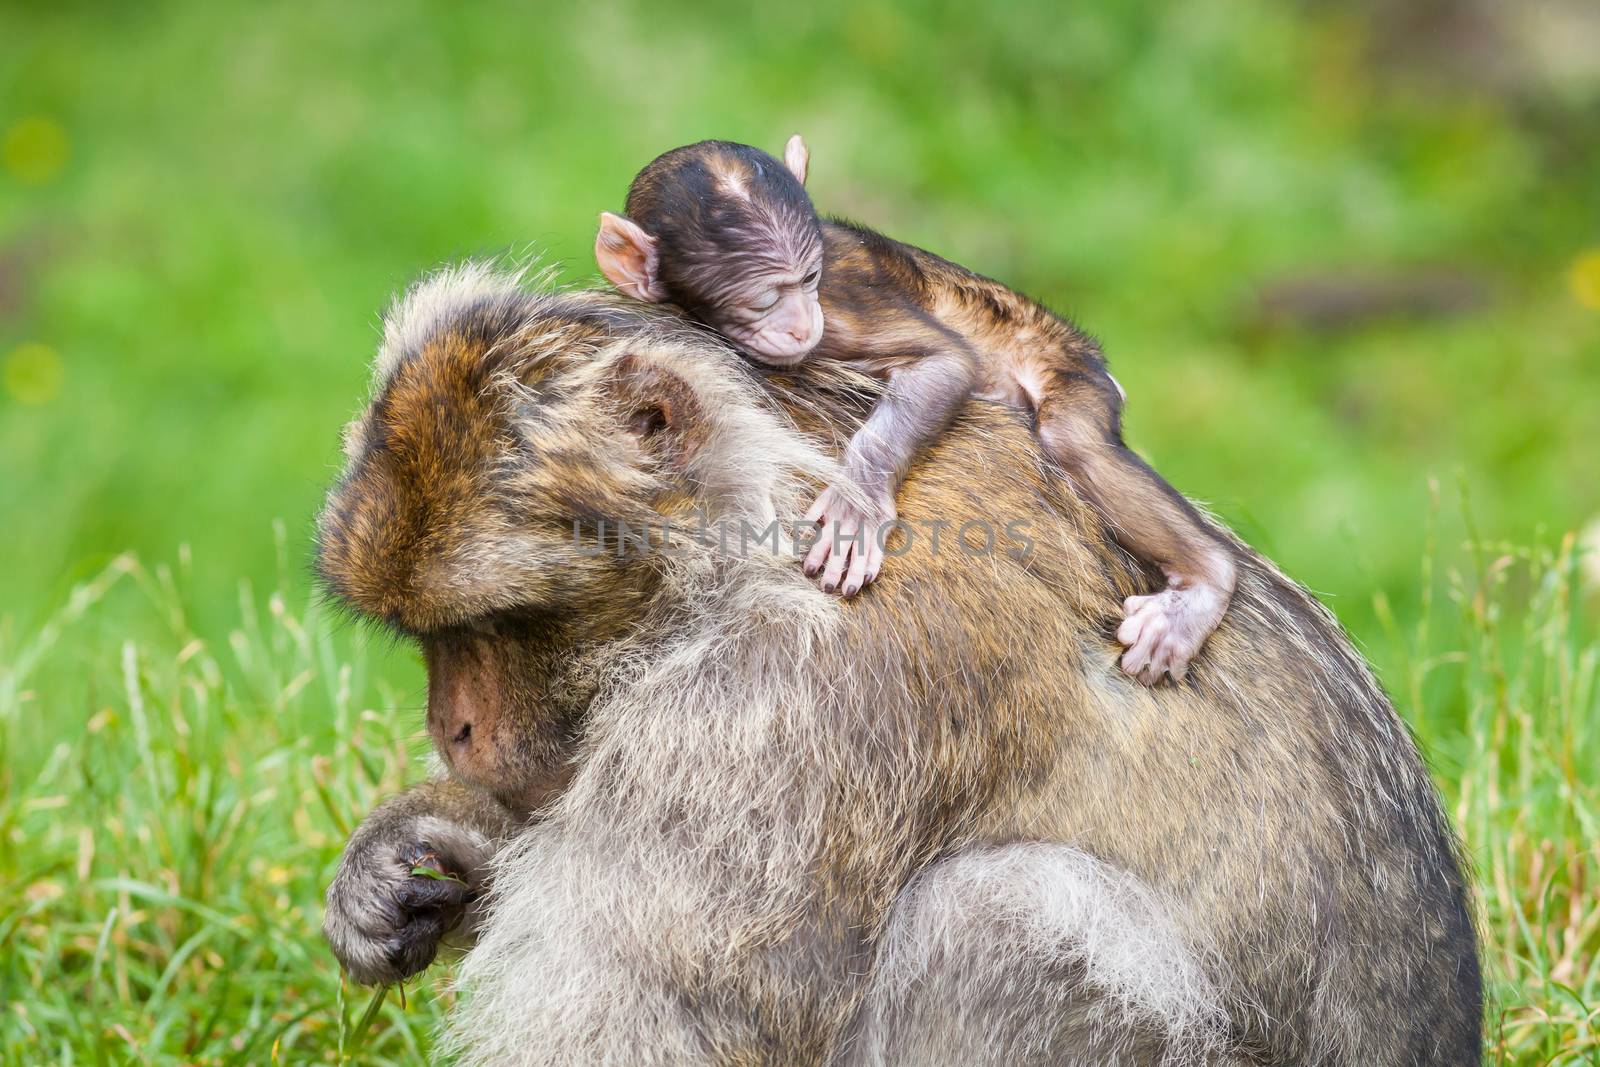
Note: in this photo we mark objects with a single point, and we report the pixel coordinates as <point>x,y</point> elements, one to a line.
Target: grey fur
<point>933,826</point>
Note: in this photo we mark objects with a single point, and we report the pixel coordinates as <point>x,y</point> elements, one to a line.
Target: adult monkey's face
<point>504,427</point>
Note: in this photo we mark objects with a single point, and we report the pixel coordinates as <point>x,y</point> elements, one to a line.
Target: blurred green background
<point>1331,250</point>
<point>1338,253</point>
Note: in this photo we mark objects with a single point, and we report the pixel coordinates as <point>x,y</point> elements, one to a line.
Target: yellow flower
<point>35,150</point>
<point>32,373</point>
<point>1585,279</point>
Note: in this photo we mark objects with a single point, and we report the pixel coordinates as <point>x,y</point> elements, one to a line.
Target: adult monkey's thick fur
<point>968,840</point>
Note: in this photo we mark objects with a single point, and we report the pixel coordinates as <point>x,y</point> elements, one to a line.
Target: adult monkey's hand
<point>384,920</point>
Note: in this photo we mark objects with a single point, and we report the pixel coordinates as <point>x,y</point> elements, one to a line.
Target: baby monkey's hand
<point>849,549</point>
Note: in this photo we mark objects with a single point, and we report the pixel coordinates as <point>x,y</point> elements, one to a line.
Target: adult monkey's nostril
<point>463,735</point>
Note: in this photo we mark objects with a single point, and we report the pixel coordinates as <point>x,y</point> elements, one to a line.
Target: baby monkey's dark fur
<point>728,232</point>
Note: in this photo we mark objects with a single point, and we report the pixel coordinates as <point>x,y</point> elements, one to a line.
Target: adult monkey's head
<point>469,514</point>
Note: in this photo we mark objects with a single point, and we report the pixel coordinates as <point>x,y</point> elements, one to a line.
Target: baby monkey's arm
<point>921,396</point>
<point>1152,520</point>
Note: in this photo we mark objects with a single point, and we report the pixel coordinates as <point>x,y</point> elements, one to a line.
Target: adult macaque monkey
<point>728,233</point>
<point>746,822</point>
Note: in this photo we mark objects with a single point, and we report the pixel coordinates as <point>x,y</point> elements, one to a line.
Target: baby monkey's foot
<point>1164,631</point>
<point>848,552</point>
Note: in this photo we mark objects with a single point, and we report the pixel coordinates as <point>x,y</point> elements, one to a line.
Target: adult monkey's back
<point>934,826</point>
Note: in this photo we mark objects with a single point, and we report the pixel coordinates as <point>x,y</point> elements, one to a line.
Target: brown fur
<point>1027,357</point>
<point>1274,804</point>
<point>720,218</point>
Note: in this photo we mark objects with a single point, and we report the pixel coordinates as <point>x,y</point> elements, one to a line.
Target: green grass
<point>203,207</point>
<point>164,868</point>
<point>1510,715</point>
<point>164,863</point>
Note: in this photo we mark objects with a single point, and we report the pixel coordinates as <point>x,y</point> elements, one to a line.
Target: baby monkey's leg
<point>1151,520</point>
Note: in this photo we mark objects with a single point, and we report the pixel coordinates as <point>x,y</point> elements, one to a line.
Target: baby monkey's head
<point>728,233</point>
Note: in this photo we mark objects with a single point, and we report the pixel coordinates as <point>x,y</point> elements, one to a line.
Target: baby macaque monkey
<point>729,234</point>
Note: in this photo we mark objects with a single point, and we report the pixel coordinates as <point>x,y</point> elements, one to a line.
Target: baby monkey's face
<point>774,314</point>
<point>727,233</point>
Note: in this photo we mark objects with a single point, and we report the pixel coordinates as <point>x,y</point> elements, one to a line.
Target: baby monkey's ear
<point>627,257</point>
<point>797,158</point>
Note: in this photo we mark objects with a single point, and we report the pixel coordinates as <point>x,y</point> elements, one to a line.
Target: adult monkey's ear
<point>627,257</point>
<point>660,410</point>
<point>797,158</point>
